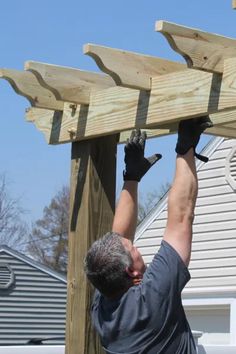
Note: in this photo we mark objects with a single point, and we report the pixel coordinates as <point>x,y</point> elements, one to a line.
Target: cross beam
<point>174,96</point>
<point>136,90</point>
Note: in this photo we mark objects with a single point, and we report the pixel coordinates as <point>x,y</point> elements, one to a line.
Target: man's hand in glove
<point>189,133</point>
<point>136,165</point>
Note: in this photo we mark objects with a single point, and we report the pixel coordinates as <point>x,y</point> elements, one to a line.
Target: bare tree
<point>13,230</point>
<point>48,240</point>
<point>147,203</point>
<point>49,237</point>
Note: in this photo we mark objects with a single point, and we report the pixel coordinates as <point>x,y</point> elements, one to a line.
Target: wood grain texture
<point>223,131</point>
<point>151,133</point>
<point>230,125</point>
<point>92,203</point>
<point>69,84</point>
<point>25,84</point>
<point>200,49</point>
<point>130,69</point>
<point>175,96</point>
<point>59,128</point>
<point>228,86</point>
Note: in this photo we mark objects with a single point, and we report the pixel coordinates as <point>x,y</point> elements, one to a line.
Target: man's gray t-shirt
<point>148,318</point>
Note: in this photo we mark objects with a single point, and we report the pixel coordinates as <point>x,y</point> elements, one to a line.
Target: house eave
<point>33,263</point>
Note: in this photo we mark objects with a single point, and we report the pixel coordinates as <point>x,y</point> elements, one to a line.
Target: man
<point>138,310</point>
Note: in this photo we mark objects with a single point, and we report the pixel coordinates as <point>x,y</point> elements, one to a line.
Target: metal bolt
<point>73,108</point>
<point>72,132</point>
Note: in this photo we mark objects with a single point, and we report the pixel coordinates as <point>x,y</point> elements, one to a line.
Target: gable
<point>21,268</point>
<point>213,261</point>
<point>34,305</point>
<point>15,255</point>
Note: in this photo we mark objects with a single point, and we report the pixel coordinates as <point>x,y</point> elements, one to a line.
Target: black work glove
<point>136,165</point>
<point>189,133</point>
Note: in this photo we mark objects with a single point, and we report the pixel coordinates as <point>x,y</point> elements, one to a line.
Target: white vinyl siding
<point>34,306</point>
<point>213,262</point>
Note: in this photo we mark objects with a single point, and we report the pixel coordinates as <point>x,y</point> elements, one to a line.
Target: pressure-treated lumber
<point>223,131</point>
<point>92,203</point>
<point>61,128</point>
<point>25,84</point>
<point>178,95</point>
<point>173,97</point>
<point>69,84</point>
<point>230,125</point>
<point>228,88</point>
<point>201,50</point>
<point>130,69</point>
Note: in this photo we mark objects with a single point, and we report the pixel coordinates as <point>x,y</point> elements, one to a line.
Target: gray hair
<point>106,263</point>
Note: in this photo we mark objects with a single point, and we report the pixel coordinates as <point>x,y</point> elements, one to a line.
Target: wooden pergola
<point>95,111</point>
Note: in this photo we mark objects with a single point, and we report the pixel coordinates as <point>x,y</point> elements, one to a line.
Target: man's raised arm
<point>183,194</point>
<point>136,165</point>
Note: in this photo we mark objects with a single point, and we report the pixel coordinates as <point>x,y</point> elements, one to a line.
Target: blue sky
<point>55,32</point>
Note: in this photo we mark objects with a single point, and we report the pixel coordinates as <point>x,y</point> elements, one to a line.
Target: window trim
<point>228,176</point>
<point>12,276</point>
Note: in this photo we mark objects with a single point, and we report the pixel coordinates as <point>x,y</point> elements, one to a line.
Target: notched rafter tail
<point>201,50</point>
<point>25,84</point>
<point>12,78</point>
<point>129,69</point>
<point>69,84</point>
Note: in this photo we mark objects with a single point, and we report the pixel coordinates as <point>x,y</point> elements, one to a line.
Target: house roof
<point>33,263</point>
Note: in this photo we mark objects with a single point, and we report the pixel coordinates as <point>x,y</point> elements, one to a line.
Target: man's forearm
<point>136,166</point>
<point>182,198</point>
<point>125,219</point>
<point>181,204</point>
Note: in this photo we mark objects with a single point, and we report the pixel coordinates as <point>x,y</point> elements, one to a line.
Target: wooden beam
<point>230,125</point>
<point>223,131</point>
<point>173,97</point>
<point>200,49</point>
<point>228,87</point>
<point>92,204</point>
<point>25,84</point>
<point>69,84</point>
<point>151,133</point>
<point>61,128</point>
<point>130,69</point>
<point>234,4</point>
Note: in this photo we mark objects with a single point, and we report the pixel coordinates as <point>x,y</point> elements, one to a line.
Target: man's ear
<point>131,272</point>
<point>134,275</point>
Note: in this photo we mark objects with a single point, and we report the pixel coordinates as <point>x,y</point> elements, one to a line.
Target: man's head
<point>113,264</point>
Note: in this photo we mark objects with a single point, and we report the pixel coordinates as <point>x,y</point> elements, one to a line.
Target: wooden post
<point>92,205</point>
